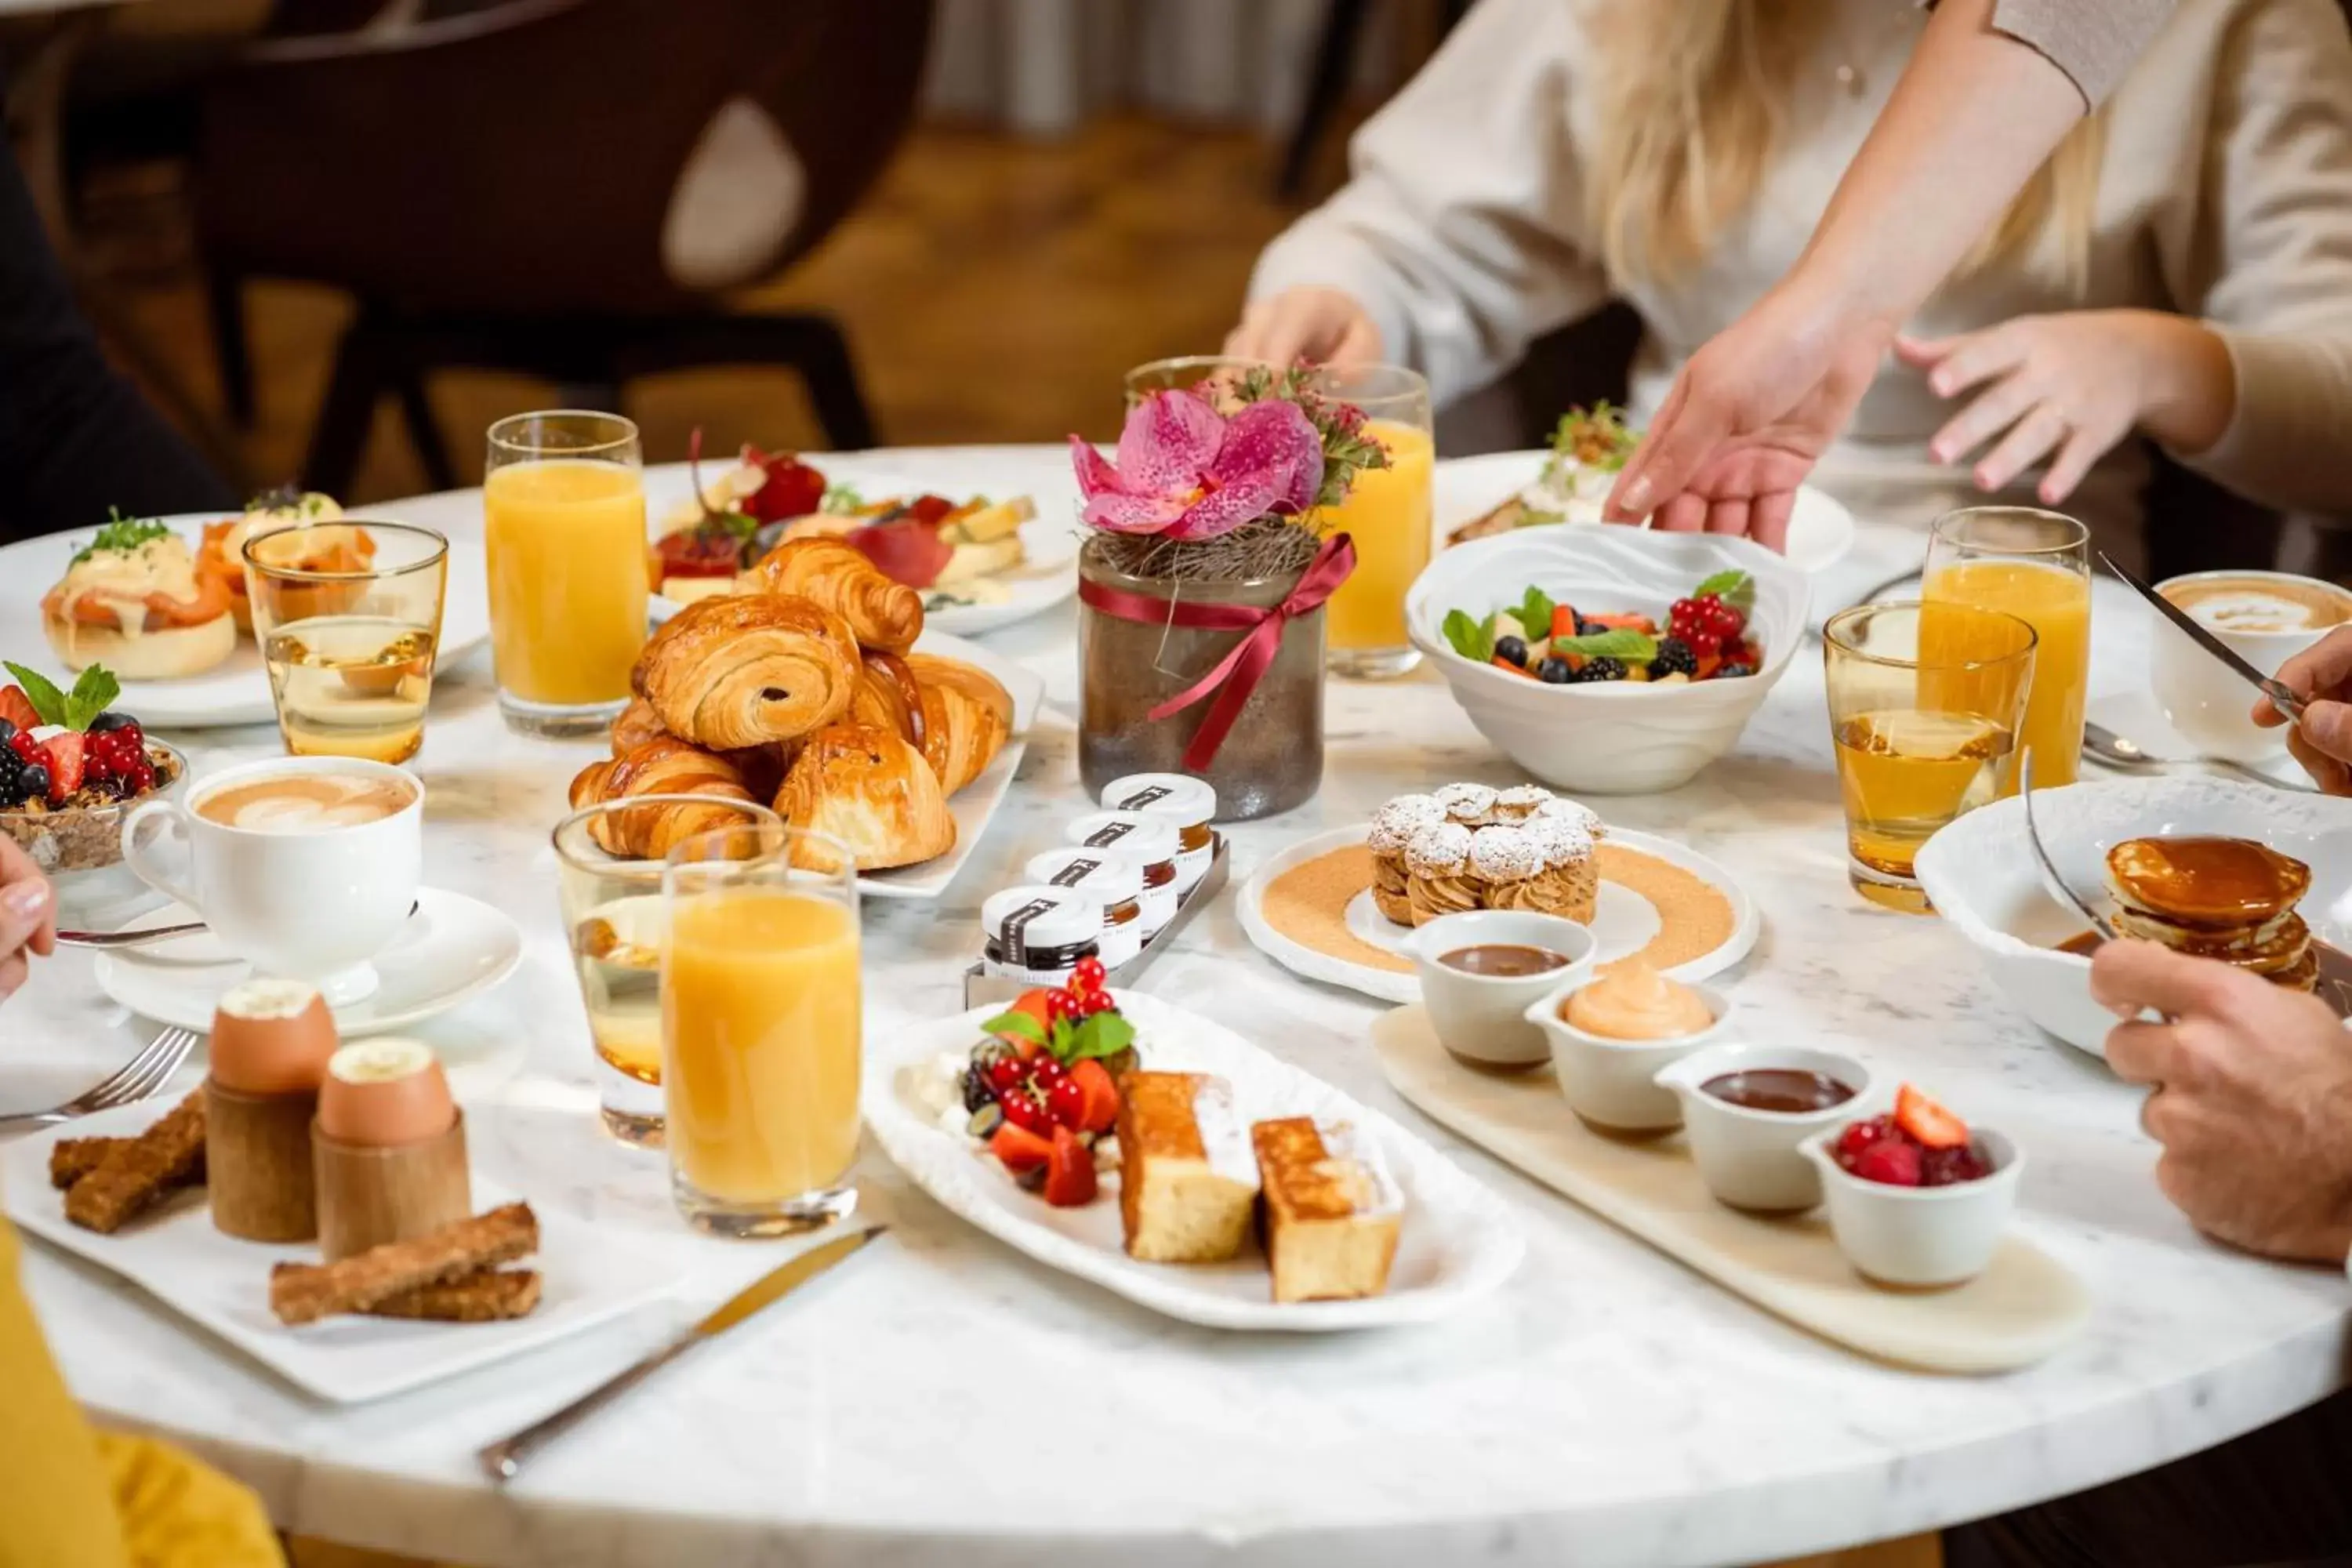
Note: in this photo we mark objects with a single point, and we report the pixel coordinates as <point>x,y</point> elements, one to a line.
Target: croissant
<point>763,767</point>
<point>742,670</point>
<point>663,765</point>
<point>883,612</point>
<point>871,791</point>
<point>958,717</point>
<point>637,724</point>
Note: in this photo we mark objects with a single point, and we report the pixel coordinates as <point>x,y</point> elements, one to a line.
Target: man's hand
<point>1747,419</point>
<point>2322,742</point>
<point>28,921</point>
<point>2252,1098</point>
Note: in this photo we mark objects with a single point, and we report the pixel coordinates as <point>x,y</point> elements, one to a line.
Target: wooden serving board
<point>2018,1311</point>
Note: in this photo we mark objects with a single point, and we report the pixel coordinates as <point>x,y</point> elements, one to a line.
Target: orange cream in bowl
<point>1612,1033</point>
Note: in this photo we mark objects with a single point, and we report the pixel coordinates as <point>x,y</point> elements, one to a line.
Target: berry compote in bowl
<point>1916,1198</point>
<point>70,770</point>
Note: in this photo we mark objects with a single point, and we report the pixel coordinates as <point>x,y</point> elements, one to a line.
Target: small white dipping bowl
<point>1614,1083</point>
<point>1749,1158</point>
<point>1918,1236</point>
<point>1483,1018</point>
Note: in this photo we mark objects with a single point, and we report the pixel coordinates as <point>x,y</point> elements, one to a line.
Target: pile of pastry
<point>805,694</point>
<point>1469,847</point>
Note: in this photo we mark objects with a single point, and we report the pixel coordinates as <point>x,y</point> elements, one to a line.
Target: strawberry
<point>18,708</point>
<point>64,753</point>
<point>1101,1102</point>
<point>1020,1149</point>
<point>1928,1122</point>
<point>1036,1005</point>
<point>1890,1161</point>
<point>1070,1171</point>
<point>1563,621</point>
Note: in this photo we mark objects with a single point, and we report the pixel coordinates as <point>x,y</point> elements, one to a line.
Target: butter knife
<point>2284,700</point>
<point>503,1461</point>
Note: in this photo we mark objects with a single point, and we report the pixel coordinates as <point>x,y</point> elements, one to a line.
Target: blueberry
<point>105,721</point>
<point>1725,672</point>
<point>1514,649</point>
<point>1585,629</point>
<point>1555,672</point>
<point>34,781</point>
<point>7,732</point>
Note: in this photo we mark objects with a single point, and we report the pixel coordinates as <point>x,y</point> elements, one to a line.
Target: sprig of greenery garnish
<point>75,708</point>
<point>841,500</point>
<point>1473,638</point>
<point>124,535</point>
<point>1100,1035</point>
<point>1597,437</point>
<point>1734,587</point>
<point>1617,642</point>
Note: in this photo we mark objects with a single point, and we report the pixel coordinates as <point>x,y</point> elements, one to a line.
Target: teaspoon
<point>141,938</point>
<point>2121,751</point>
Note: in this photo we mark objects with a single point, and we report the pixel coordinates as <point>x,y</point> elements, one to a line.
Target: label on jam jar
<point>1184,802</point>
<point>1148,842</point>
<point>1113,880</point>
<point>1038,934</point>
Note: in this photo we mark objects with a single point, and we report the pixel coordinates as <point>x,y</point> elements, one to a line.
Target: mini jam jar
<point>1151,844</point>
<point>1184,802</point>
<point>1037,935</point>
<point>1113,880</point>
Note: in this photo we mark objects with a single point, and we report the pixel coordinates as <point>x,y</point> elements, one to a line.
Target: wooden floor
<point>994,291</point>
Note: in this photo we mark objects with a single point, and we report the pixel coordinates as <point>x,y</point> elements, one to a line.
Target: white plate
<point>974,805</point>
<point>237,690</point>
<point>1980,873</point>
<point>1623,920</point>
<point>1457,1242</point>
<point>587,1276</point>
<point>1820,530</point>
<point>452,948</point>
<point>1050,541</point>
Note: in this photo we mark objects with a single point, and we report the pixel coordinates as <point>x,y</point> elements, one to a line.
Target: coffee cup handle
<point>139,853</point>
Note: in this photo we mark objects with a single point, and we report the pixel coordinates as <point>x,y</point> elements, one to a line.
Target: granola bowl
<point>80,846</point>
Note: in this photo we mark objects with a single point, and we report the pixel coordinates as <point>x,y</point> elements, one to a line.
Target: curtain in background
<point>1043,67</point>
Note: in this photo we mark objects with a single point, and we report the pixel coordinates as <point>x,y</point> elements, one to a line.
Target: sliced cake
<point>1187,1184</point>
<point>1333,1213</point>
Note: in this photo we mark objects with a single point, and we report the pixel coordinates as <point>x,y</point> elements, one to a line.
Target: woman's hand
<point>28,922</point>
<point>2322,741</point>
<point>1325,325</point>
<point>2074,385</point>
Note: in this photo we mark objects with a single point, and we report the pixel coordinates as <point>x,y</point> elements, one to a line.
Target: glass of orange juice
<point>564,503</point>
<point>1390,515</point>
<point>761,1030</point>
<point>2035,565</point>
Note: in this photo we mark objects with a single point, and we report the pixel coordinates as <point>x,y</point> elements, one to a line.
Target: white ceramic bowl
<point>1979,872</point>
<point>1749,1158</point>
<point>1614,1083</point>
<point>1612,738</point>
<point>1918,1236</point>
<point>1482,1017</point>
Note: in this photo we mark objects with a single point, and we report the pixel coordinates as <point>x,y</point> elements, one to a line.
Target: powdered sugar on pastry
<point>1503,854</point>
<point>1560,808</point>
<point>1467,803</point>
<point>1438,851</point>
<point>1394,825</point>
<point>1520,802</point>
<point>1561,840</point>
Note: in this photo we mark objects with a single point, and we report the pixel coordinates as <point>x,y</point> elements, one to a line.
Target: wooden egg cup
<point>369,1195</point>
<point>258,1165</point>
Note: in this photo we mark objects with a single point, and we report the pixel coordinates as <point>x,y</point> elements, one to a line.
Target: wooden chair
<point>494,186</point>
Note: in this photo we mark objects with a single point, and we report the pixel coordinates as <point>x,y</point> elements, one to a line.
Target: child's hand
<point>2074,384</point>
<point>1325,325</point>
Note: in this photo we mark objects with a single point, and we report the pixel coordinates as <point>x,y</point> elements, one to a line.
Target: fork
<point>141,1077</point>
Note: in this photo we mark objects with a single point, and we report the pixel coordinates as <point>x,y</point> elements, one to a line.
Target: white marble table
<point>945,1401</point>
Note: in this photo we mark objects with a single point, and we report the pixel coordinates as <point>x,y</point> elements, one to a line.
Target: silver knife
<point>503,1461</point>
<point>2284,700</point>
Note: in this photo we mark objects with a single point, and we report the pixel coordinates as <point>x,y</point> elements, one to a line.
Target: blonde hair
<point>1695,94</point>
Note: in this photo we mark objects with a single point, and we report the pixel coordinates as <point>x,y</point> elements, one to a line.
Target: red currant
<point>1045,1072</point>
<point>1061,1004</point>
<point>1089,976</point>
<point>1100,1002</point>
<point>1067,1101</point>
<point>1026,1112</point>
<point>1004,1073</point>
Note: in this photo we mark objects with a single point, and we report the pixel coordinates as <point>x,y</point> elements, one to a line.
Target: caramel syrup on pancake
<point>2207,880</point>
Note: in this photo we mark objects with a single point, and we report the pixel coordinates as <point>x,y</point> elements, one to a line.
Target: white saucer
<point>452,948</point>
<point>1624,922</point>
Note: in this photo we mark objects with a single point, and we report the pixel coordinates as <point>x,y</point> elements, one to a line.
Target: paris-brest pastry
<point>1468,847</point>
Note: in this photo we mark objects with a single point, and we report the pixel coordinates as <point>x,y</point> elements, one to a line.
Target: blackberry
<point>1675,658</point>
<point>1514,649</point>
<point>12,778</point>
<point>1555,672</point>
<point>1601,669</point>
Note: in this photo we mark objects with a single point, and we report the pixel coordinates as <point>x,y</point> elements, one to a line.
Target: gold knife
<point>503,1461</point>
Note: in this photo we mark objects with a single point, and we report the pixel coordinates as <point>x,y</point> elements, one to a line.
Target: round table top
<point>945,1400</point>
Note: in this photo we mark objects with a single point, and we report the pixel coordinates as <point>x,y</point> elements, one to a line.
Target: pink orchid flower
<point>1187,471</point>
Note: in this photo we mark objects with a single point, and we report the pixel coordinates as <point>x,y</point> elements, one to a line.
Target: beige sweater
<point>2227,194</point>
<point>2092,41</point>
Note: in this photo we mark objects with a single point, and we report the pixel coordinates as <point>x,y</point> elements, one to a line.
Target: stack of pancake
<point>2230,898</point>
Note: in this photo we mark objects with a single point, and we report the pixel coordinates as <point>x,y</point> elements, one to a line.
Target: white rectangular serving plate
<point>222,1285</point>
<point>1458,1241</point>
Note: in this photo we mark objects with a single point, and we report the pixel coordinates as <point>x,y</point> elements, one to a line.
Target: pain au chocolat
<point>2230,898</point>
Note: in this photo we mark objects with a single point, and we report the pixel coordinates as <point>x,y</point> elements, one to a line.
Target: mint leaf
<point>1535,612</point>
<point>1615,643</point>
<point>92,693</point>
<point>48,702</point>
<point>1102,1034</point>
<point>1474,640</point>
<point>1735,588</point>
<point>1022,1025</point>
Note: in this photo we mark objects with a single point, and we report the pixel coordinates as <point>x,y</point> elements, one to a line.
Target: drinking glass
<point>2035,565</point>
<point>760,1020</point>
<point>348,614</point>
<point>613,920</point>
<point>1925,701</point>
<point>563,505</point>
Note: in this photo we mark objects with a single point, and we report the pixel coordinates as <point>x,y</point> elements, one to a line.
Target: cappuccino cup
<point>304,867</point>
<point>2266,618</point>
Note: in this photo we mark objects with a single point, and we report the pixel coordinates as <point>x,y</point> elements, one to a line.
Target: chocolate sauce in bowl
<point>1503,961</point>
<point>1791,1091</point>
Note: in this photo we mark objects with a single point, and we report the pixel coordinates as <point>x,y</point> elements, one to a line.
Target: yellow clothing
<point>73,1498</point>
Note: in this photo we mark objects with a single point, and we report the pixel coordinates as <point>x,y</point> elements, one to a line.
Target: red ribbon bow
<point>1237,674</point>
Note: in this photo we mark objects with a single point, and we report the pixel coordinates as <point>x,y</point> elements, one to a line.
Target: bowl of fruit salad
<point>70,770</point>
<point>1608,660</point>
